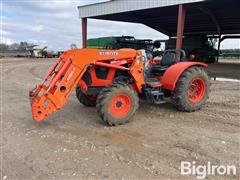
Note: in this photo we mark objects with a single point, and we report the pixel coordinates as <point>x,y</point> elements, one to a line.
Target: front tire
<point>117,103</point>
<point>84,99</point>
<point>192,90</point>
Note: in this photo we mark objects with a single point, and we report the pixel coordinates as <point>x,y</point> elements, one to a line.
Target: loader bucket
<point>55,89</point>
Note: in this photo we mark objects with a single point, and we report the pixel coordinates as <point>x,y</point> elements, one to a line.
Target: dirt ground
<point>74,144</point>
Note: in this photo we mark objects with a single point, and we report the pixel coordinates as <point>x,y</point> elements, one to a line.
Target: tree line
<point>230,53</point>
<point>15,47</point>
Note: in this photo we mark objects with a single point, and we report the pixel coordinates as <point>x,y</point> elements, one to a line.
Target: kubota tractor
<point>113,81</point>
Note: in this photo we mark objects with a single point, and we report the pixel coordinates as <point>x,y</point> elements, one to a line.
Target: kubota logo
<point>108,53</point>
<point>70,75</point>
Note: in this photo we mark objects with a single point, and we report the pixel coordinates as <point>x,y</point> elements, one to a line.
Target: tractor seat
<point>173,56</point>
<point>153,82</point>
<point>169,58</point>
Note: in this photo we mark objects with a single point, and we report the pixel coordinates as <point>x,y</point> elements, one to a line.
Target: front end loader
<point>113,81</point>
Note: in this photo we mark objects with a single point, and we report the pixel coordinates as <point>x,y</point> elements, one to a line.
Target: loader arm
<point>59,83</point>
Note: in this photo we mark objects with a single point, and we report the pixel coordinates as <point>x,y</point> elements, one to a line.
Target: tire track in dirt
<point>153,144</point>
<point>31,68</point>
<point>35,73</point>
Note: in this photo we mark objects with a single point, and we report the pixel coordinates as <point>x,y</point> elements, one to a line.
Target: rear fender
<point>172,74</point>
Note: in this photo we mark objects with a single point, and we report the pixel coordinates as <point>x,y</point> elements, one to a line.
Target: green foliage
<point>4,48</point>
<point>230,53</point>
<point>15,47</point>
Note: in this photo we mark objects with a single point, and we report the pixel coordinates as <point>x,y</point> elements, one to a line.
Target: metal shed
<point>170,17</point>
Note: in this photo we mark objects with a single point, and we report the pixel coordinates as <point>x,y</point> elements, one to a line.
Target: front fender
<point>172,74</point>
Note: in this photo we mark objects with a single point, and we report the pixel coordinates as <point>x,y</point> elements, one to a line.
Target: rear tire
<point>117,103</point>
<point>192,90</point>
<point>84,99</point>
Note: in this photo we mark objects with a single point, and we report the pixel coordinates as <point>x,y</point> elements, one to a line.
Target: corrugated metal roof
<point>119,6</point>
<point>202,16</point>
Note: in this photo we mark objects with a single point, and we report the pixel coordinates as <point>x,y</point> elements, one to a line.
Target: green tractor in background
<point>201,48</point>
<point>197,47</point>
<point>118,42</point>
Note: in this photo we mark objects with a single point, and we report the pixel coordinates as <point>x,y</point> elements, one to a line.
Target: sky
<point>55,24</point>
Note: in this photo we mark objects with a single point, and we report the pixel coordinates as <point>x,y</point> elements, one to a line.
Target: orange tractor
<point>113,81</point>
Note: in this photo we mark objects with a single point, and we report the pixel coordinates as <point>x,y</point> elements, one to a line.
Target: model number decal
<point>70,75</point>
<point>107,53</point>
